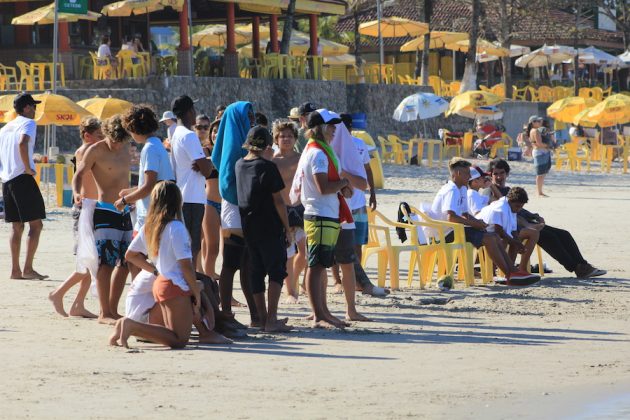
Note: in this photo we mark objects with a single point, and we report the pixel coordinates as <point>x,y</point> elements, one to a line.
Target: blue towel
<point>228,147</point>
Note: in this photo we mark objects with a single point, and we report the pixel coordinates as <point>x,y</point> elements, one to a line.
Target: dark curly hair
<point>517,195</point>
<point>140,119</point>
<point>114,130</point>
<point>499,164</point>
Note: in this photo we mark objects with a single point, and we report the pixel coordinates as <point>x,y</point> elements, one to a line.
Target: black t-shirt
<point>256,182</point>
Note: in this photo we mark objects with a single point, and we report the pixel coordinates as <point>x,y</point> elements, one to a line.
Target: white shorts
<point>140,297</point>
<point>292,250</point>
<point>230,216</point>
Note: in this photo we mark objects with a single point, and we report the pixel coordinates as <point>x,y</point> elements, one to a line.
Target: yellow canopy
<point>469,101</point>
<point>581,119</point>
<point>104,108</point>
<point>140,7</point>
<point>58,110</point>
<point>300,43</point>
<point>275,7</point>
<point>482,46</point>
<point>46,16</point>
<point>566,109</point>
<point>263,30</point>
<point>216,36</point>
<point>394,27</point>
<point>6,106</point>
<point>438,40</point>
<point>611,111</point>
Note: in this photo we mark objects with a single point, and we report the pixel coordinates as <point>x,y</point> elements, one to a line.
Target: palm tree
<point>469,80</point>
<point>426,6</point>
<point>288,26</point>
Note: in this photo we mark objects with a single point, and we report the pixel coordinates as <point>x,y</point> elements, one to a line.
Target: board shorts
<point>230,216</point>
<point>542,161</point>
<point>360,217</point>
<point>344,249</point>
<point>321,239</point>
<point>112,234</point>
<point>164,289</point>
<point>23,201</point>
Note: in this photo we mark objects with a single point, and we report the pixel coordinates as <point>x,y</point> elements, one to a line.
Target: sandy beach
<point>494,352</point>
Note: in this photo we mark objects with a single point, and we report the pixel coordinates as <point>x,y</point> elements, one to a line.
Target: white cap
<point>168,115</point>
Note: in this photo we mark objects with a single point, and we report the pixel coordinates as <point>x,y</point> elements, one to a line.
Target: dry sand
<point>493,351</point>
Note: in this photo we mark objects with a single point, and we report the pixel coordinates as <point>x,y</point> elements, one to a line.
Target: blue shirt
<point>153,157</point>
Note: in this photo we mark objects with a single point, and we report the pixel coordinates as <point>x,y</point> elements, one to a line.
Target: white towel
<point>140,297</point>
<point>349,157</point>
<point>87,256</point>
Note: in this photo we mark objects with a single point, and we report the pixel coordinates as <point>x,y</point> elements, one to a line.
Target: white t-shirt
<point>104,51</point>
<point>11,164</point>
<point>499,213</point>
<point>185,149</point>
<point>170,130</point>
<point>174,246</point>
<point>358,197</point>
<point>449,198</point>
<point>476,201</point>
<point>316,204</point>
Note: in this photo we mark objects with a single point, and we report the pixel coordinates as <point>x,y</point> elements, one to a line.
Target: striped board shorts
<point>321,238</point>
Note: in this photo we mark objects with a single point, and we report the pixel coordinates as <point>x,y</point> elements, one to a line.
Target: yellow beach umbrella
<point>613,110</point>
<point>263,30</point>
<point>140,7</point>
<point>438,40</point>
<point>394,27</point>
<point>215,36</point>
<point>566,109</point>
<point>468,102</point>
<point>104,108</point>
<point>483,46</point>
<point>58,110</point>
<point>46,16</point>
<point>6,107</point>
<point>300,44</point>
<point>582,119</point>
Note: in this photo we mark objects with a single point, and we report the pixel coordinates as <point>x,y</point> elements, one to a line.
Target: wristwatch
<point>155,272</point>
<point>123,200</point>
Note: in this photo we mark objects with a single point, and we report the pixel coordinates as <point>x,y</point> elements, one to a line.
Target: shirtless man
<point>286,159</point>
<point>109,161</point>
<point>90,131</point>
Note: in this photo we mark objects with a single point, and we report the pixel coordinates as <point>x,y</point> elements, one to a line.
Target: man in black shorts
<point>22,199</point>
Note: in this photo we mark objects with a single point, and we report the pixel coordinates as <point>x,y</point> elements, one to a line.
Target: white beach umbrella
<point>625,57</point>
<point>420,106</point>
<point>592,55</point>
<point>546,55</point>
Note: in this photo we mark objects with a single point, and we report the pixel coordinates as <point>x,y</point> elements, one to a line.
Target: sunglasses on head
<point>202,126</point>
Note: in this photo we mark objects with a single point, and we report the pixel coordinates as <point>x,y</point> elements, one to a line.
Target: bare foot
<point>256,324</point>
<point>542,195</point>
<point>238,304</point>
<point>277,326</point>
<point>33,275</point>
<point>57,302</point>
<point>357,317</point>
<point>80,311</point>
<point>107,320</point>
<point>310,317</point>
<point>16,275</point>
<point>291,300</point>
<point>303,290</point>
<point>124,332</point>
<point>213,337</point>
<point>336,322</point>
<point>338,289</point>
<point>323,324</point>
<point>113,339</point>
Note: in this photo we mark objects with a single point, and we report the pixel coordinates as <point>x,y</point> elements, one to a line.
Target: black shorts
<point>296,216</point>
<point>23,202</point>
<point>344,250</point>
<point>267,258</point>
<point>233,251</point>
<point>193,218</point>
<point>474,236</point>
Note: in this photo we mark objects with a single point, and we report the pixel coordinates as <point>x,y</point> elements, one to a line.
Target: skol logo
<point>64,117</point>
<point>477,99</point>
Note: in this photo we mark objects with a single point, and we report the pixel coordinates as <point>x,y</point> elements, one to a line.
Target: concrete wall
<point>276,97</point>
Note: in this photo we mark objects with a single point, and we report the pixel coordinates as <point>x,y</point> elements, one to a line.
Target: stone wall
<point>276,97</point>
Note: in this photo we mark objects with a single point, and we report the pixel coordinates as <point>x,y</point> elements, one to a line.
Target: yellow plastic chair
<point>26,78</point>
<point>608,151</point>
<point>448,148</point>
<point>498,90</point>
<point>625,153</point>
<point>545,94</point>
<point>378,240</point>
<point>584,92</point>
<point>102,68</point>
<point>607,92</point>
<point>375,160</point>
<point>533,94</point>
<point>501,146</point>
<point>597,93</point>
<point>468,143</point>
<point>455,86</point>
<point>484,88</point>
<point>129,64</point>
<point>316,63</point>
<point>86,67</point>
<point>391,152</point>
<point>405,145</point>
<point>571,156</point>
<point>436,83</point>
<point>519,94</point>
<point>11,76</point>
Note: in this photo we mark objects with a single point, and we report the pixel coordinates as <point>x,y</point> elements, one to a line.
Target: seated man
<point>450,204</point>
<point>501,215</point>
<point>558,243</point>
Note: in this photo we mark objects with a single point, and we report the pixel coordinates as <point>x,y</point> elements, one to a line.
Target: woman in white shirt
<point>165,240</point>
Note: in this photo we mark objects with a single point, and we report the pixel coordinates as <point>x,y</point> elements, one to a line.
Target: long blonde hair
<point>164,207</point>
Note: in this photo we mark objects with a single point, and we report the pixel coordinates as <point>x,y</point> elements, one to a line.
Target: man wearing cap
<point>478,179</point>
<point>304,111</point>
<point>191,169</point>
<point>169,119</point>
<point>23,201</point>
<point>265,224</point>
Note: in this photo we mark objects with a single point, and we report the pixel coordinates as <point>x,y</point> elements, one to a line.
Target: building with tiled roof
<point>556,26</point>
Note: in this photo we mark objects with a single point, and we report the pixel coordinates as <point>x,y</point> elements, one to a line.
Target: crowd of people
<point>286,202</point>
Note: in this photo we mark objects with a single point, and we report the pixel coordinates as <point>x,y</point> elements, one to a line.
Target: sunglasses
<point>202,127</point>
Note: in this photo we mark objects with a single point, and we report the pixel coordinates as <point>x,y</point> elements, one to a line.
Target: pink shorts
<point>164,289</point>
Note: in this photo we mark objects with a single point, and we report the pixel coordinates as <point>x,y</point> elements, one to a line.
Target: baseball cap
<point>477,172</point>
<point>23,99</point>
<point>168,115</point>
<point>258,139</point>
<point>346,119</point>
<point>306,108</point>
<point>181,104</point>
<point>294,114</point>
<point>534,118</point>
<point>322,116</point>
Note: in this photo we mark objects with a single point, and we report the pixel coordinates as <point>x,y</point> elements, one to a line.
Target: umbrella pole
<point>55,47</point>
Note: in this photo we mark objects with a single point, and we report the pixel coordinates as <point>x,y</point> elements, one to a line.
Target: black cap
<point>347,120</point>
<point>306,108</point>
<point>181,105</point>
<point>258,139</point>
<point>322,116</point>
<point>22,100</point>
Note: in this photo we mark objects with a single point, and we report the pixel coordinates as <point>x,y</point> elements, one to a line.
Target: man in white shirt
<point>451,204</point>
<point>478,179</point>
<point>191,169</point>
<point>22,199</point>
<point>170,121</point>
